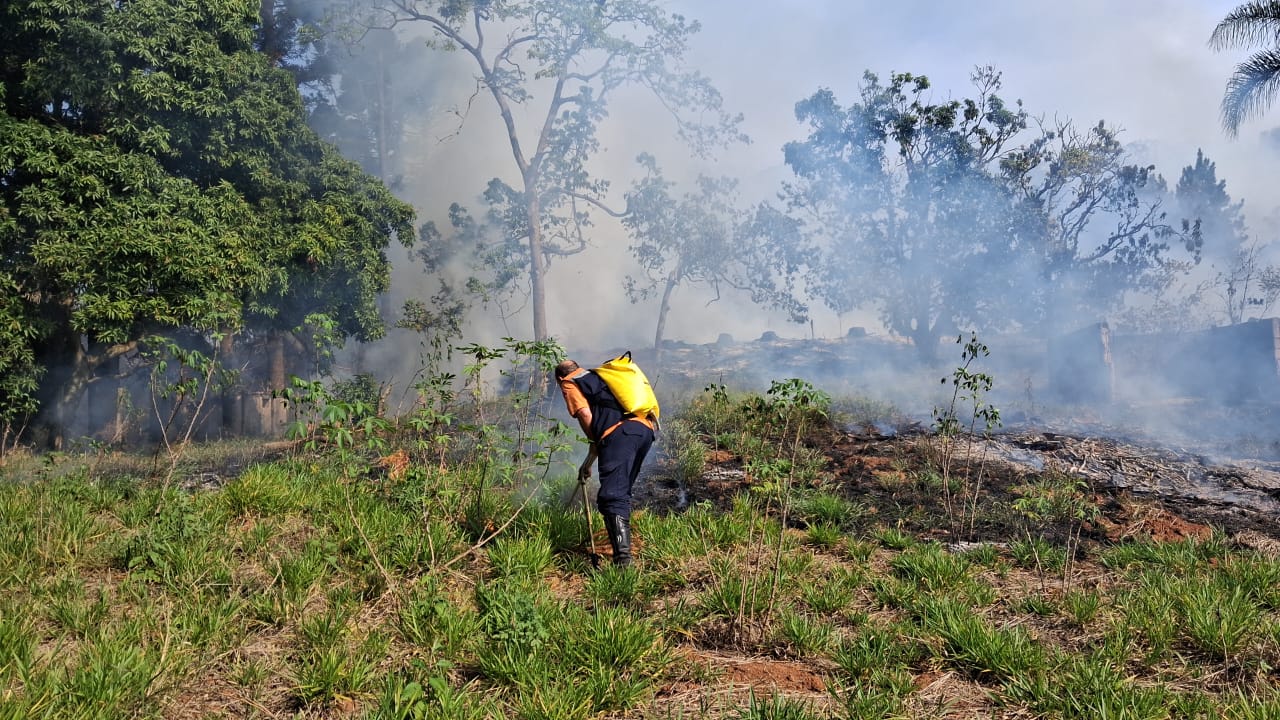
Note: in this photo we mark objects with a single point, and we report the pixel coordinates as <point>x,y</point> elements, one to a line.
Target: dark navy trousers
<point>621,454</point>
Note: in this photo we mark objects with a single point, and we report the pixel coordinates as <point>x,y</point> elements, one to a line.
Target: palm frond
<point>1251,89</point>
<point>1249,25</point>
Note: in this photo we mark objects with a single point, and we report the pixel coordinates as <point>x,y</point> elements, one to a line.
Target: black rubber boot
<point>619,528</point>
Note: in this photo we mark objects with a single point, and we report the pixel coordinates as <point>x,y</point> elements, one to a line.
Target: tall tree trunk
<point>673,279</point>
<point>925,339</point>
<point>537,269</point>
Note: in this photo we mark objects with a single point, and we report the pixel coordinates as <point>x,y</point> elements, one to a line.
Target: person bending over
<point>620,441</point>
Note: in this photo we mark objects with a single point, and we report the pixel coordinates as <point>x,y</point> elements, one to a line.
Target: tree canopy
<point>899,194</point>
<point>935,215</point>
<point>701,238</point>
<point>561,63</point>
<point>156,173</point>
<point>1242,282</point>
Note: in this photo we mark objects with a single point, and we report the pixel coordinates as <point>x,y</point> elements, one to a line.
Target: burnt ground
<point>1161,492</point>
<point>1195,459</point>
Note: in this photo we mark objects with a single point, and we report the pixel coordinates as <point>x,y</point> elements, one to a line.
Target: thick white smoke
<point>1142,66</point>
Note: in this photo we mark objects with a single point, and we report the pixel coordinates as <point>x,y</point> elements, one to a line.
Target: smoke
<point>1141,66</point>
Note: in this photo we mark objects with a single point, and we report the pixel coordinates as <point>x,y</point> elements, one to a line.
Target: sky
<point>1142,66</point>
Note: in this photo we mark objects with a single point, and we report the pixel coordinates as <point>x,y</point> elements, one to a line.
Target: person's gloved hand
<point>584,471</point>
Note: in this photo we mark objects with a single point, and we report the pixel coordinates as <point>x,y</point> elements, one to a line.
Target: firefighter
<point>619,440</point>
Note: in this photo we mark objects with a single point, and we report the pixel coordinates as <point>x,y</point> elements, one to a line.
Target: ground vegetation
<point>431,567</point>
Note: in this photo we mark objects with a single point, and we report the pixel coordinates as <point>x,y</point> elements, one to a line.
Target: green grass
<point>315,586</point>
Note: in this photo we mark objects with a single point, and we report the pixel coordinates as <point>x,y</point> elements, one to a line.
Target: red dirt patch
<point>775,675</point>
<point>1151,521</point>
<point>719,457</point>
<point>780,676</point>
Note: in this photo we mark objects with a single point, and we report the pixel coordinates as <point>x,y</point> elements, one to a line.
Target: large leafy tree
<point>552,68</point>
<point>899,195</point>
<point>934,215</point>
<point>1253,86</point>
<point>156,174</point>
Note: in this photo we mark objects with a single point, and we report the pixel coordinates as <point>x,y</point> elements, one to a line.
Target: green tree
<point>900,194</point>
<point>699,238</point>
<point>1091,223</point>
<point>156,173</point>
<point>1253,86</point>
<point>1243,282</point>
<point>552,68</point>
<point>934,215</point>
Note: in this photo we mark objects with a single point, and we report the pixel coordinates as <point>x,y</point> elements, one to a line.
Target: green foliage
<point>621,586</point>
<point>732,595</point>
<point>700,238</point>
<point>19,372</point>
<point>325,419</point>
<point>875,649</point>
<point>145,590</point>
<point>1081,606</point>
<point>1048,504</point>
<point>1089,686</point>
<point>969,390</point>
<point>894,538</point>
<point>1249,91</point>
<point>983,554</point>
<point>324,675</point>
<point>930,567</point>
<point>833,594</point>
<point>803,634</point>
<point>882,698</point>
<point>826,508</point>
<point>512,616</point>
<point>434,698</point>
<point>824,534</point>
<point>428,620</point>
<point>164,180</point>
<point>111,679</point>
<point>1038,554</point>
<point>70,608</point>
<point>690,452</point>
<point>1258,576</point>
<point>972,645</point>
<point>1219,619</point>
<point>1178,557</point>
<point>262,490</point>
<point>747,425</point>
<point>1248,708</point>
<point>777,707</point>
<point>520,557</point>
<point>181,548</point>
<point>17,642</point>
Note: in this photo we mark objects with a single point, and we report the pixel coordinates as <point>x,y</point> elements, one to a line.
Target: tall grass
<point>319,586</point>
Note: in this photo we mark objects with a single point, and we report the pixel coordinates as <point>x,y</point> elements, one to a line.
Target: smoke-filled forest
<point>348,190</point>
<point>291,290</point>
